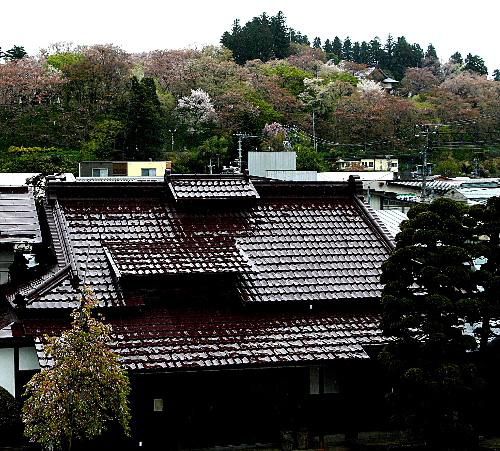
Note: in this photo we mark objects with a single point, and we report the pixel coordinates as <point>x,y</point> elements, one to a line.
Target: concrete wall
<point>7,373</point>
<point>260,162</point>
<point>293,176</point>
<point>134,168</point>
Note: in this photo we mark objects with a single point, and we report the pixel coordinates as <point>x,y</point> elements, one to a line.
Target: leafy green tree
<point>84,391</point>
<point>474,63</point>
<point>214,151</point>
<point>104,139</point>
<point>143,137</point>
<point>429,284</point>
<point>448,168</point>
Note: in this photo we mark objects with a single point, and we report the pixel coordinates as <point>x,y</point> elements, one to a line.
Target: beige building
<point>123,168</point>
<point>369,164</point>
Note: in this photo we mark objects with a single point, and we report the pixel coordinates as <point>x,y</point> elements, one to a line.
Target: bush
<point>10,419</point>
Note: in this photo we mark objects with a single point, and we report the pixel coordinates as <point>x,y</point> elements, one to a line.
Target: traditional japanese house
<point>241,308</point>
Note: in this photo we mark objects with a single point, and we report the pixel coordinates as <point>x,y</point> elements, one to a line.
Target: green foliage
<point>44,160</point>
<point>104,138</point>
<point>84,391</point>
<point>143,122</point>
<point>262,38</point>
<point>308,159</point>
<point>63,61</point>
<point>292,77</point>
<point>10,419</point>
<point>448,168</point>
<point>428,281</point>
<point>474,63</point>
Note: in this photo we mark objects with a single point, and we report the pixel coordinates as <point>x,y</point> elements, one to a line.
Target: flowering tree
<point>370,88</point>
<point>83,391</point>
<point>196,111</point>
<point>275,137</point>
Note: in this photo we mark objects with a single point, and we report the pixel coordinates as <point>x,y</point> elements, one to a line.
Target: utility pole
<point>172,137</point>
<point>426,130</point>
<point>315,145</point>
<point>241,136</point>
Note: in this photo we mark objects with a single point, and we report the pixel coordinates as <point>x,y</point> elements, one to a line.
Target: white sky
<point>451,25</point>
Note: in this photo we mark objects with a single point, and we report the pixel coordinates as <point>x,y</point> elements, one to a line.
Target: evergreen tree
<point>496,75</point>
<point>388,54</point>
<point>474,63</point>
<point>328,47</point>
<point>376,52</point>
<point>347,49</point>
<point>456,58</point>
<point>298,37</point>
<point>337,47</point>
<point>144,127</point>
<point>281,36</point>
<point>402,57</point>
<point>15,53</point>
<point>429,280</point>
<point>356,52</point>
<point>431,52</point>
<point>317,43</point>
<point>364,53</point>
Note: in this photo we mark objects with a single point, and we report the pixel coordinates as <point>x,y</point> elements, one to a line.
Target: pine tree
<point>376,52</point>
<point>496,75</point>
<point>143,130</point>
<point>337,47</point>
<point>456,58</point>
<point>347,49</point>
<point>328,47</point>
<point>280,34</point>
<point>15,53</point>
<point>356,52</point>
<point>364,53</point>
<point>317,43</point>
<point>474,63</point>
<point>429,281</point>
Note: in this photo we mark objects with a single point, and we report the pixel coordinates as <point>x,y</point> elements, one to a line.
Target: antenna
<point>241,136</point>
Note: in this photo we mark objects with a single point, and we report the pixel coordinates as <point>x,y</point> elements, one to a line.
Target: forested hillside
<point>99,102</point>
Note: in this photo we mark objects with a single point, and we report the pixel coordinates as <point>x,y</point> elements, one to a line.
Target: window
<point>370,164</point>
<point>323,381</point>
<point>148,172</point>
<point>394,165</point>
<point>100,172</point>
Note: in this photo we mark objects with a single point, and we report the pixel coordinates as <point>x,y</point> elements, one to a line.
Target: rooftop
<point>18,216</point>
<point>296,243</point>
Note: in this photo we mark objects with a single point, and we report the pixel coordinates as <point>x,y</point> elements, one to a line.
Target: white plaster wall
<point>7,375</point>
<point>28,359</point>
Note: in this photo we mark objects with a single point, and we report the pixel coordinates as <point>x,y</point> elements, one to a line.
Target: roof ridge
<point>376,222</point>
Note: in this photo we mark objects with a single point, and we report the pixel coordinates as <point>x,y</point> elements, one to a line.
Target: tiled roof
<point>18,216</point>
<point>203,187</point>
<point>417,185</point>
<point>392,219</point>
<point>282,249</point>
<point>162,339</point>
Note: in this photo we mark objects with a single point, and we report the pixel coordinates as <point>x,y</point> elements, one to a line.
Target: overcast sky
<point>453,25</point>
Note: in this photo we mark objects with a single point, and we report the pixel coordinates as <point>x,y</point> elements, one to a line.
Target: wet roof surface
<point>163,339</point>
<point>18,216</point>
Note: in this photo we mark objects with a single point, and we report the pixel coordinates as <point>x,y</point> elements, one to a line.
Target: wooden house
<point>241,308</point>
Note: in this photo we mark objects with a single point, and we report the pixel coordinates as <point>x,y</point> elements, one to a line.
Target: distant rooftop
<point>18,216</point>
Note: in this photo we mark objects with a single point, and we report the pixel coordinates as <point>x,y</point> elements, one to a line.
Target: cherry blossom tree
<point>196,111</point>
